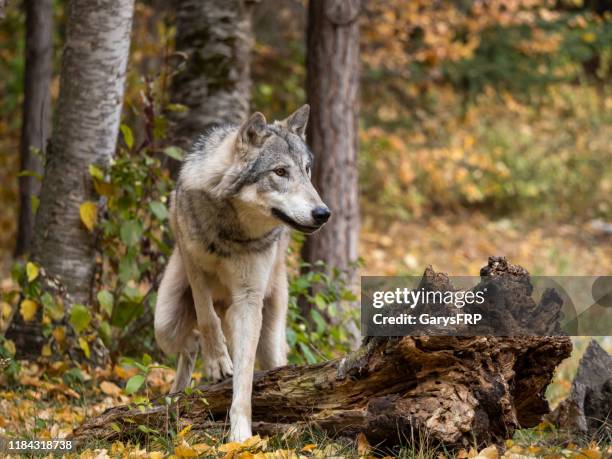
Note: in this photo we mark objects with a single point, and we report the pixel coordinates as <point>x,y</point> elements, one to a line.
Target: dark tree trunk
<point>88,114</point>
<point>332,84</point>
<point>36,120</point>
<point>215,84</point>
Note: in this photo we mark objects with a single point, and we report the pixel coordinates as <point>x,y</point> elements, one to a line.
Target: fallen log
<point>452,389</point>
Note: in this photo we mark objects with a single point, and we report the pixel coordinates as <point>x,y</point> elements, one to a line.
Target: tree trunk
<point>332,85</point>
<point>36,119</point>
<point>88,114</point>
<point>454,390</point>
<point>215,84</point>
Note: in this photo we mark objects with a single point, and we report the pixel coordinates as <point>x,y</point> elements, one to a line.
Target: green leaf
<point>159,210</point>
<point>128,269</point>
<point>33,174</point>
<point>318,320</point>
<point>179,108</point>
<point>54,309</point>
<point>147,430</point>
<point>96,172</point>
<point>115,427</point>
<point>134,383</point>
<point>175,152</point>
<point>106,300</point>
<point>125,312</point>
<point>320,301</point>
<point>310,358</point>
<point>128,137</point>
<point>146,360</point>
<point>34,202</point>
<point>131,231</point>
<point>80,317</point>
<point>105,333</point>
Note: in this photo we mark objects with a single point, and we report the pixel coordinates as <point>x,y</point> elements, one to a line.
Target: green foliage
<point>8,365</point>
<point>318,331</point>
<point>134,236</point>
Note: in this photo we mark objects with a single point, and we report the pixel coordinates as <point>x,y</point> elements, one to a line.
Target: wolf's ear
<point>298,120</point>
<point>252,132</point>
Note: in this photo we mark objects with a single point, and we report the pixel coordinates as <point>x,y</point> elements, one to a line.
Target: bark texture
<point>88,114</point>
<point>216,38</point>
<point>587,412</point>
<point>332,82</point>
<point>452,390</point>
<point>36,118</point>
<point>332,85</point>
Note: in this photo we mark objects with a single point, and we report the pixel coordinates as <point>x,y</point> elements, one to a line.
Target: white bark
<point>87,122</point>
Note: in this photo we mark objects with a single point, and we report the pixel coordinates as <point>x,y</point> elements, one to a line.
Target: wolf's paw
<point>240,429</point>
<point>218,365</point>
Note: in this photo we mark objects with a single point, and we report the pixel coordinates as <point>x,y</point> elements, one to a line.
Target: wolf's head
<point>275,174</point>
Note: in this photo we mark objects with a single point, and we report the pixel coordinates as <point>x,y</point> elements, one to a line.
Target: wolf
<point>224,290</point>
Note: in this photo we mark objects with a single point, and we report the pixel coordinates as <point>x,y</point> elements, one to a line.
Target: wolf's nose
<point>320,215</point>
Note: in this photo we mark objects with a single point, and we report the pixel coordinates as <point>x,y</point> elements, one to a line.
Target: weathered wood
<point>453,389</point>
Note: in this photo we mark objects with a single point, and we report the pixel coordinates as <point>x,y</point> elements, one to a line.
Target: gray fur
<point>225,287</point>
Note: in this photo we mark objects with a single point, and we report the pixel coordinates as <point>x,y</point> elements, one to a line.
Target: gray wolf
<point>224,289</point>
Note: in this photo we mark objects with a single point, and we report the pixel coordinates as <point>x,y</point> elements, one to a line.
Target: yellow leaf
<point>589,37</point>
<point>103,188</point>
<point>230,447</point>
<point>89,214</point>
<point>46,351</point>
<point>488,453</point>
<point>32,271</point>
<point>110,388</point>
<point>591,453</point>
<point>185,451</point>
<point>28,309</point>
<point>10,346</point>
<point>203,448</point>
<point>309,447</point>
<point>84,345</point>
<point>185,431</point>
<point>254,442</point>
<point>156,455</point>
<point>6,310</point>
<point>59,333</point>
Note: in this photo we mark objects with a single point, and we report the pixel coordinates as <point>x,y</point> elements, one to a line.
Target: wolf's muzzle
<point>282,216</point>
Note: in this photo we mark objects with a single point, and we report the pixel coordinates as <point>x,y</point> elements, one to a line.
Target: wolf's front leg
<point>217,362</point>
<point>245,322</point>
<point>272,349</point>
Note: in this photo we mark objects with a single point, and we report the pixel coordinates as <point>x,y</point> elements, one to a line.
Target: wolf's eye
<point>280,171</point>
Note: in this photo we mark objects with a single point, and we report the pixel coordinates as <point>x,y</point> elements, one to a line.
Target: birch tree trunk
<point>36,120</point>
<point>216,38</point>
<point>332,85</point>
<point>88,114</point>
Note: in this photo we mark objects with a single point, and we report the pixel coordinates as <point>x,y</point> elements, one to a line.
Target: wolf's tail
<point>175,318</point>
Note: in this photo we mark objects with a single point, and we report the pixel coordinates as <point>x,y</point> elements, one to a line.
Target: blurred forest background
<point>485,128</point>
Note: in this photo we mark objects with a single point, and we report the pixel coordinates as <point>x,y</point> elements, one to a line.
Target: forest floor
<point>50,400</point>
